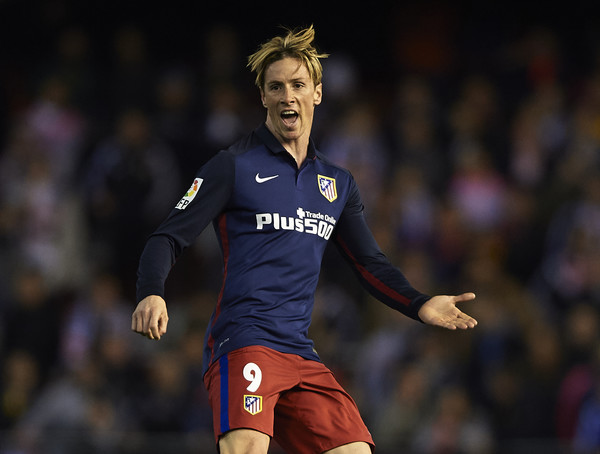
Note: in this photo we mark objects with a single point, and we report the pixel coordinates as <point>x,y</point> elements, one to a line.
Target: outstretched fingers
<point>441,311</point>
<point>464,321</point>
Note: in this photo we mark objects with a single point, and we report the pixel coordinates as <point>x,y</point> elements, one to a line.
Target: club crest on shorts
<point>189,195</point>
<point>327,187</point>
<point>252,404</point>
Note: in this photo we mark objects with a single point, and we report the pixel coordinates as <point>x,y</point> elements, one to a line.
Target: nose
<point>287,95</point>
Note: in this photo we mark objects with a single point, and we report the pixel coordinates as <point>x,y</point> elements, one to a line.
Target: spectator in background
<point>414,128</point>
<point>477,190</point>
<point>19,387</point>
<point>177,117</point>
<point>570,270</point>
<point>93,317</point>
<point>411,207</point>
<point>581,340</point>
<point>60,128</point>
<point>474,122</point>
<point>40,215</point>
<point>132,75</point>
<point>538,136</point>
<point>586,431</point>
<point>72,403</point>
<point>398,419</point>
<point>21,148</point>
<point>455,426</point>
<point>222,123</point>
<point>222,49</point>
<point>131,177</point>
<point>72,60</point>
<point>32,320</point>
<point>357,141</point>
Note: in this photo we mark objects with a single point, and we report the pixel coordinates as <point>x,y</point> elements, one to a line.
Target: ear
<point>262,98</point>
<point>318,95</point>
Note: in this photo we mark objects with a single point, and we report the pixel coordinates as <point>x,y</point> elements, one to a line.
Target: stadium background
<point>473,131</point>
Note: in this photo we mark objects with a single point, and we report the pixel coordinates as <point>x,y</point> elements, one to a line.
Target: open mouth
<point>289,117</point>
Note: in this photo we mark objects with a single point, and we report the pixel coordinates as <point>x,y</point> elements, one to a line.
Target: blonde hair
<point>295,44</point>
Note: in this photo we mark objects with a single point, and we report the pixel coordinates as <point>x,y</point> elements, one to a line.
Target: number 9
<point>253,374</point>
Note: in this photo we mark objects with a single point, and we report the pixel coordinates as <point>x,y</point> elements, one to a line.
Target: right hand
<point>150,317</point>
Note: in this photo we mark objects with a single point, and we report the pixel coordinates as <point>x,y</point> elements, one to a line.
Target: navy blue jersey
<point>273,221</point>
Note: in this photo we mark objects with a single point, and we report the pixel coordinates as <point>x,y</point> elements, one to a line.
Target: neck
<point>297,148</point>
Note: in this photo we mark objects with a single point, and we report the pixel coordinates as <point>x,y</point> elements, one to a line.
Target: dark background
<point>508,96</point>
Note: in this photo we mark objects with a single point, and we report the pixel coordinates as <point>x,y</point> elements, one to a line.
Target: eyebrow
<point>294,80</point>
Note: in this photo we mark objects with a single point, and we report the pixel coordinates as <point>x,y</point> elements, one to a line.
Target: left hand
<point>441,311</point>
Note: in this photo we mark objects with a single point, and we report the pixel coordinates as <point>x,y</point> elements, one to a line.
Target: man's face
<point>290,97</point>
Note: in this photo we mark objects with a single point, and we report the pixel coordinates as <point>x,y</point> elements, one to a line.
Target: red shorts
<point>296,401</point>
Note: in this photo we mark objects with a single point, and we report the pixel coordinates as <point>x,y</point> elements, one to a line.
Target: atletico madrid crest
<point>253,404</point>
<point>327,187</point>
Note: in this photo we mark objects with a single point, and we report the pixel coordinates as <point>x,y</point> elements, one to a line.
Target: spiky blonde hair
<point>295,44</point>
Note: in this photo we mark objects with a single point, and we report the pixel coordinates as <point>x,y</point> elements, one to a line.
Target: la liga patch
<point>189,195</point>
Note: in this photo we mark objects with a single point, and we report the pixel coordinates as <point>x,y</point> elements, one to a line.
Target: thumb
<point>464,297</point>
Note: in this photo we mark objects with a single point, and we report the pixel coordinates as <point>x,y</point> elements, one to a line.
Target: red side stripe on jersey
<point>371,279</point>
<point>222,223</point>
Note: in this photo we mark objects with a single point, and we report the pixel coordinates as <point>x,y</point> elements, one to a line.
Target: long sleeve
<point>376,273</point>
<point>207,197</point>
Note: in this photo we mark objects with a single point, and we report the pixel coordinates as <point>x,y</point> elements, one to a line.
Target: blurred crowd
<point>474,179</point>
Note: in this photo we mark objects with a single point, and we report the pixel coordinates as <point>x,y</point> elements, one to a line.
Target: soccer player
<point>275,201</point>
